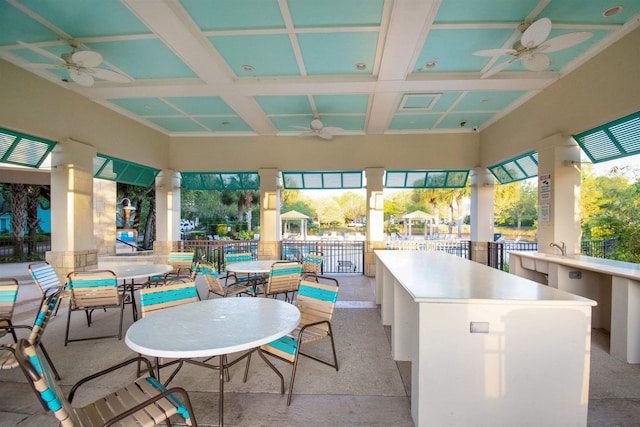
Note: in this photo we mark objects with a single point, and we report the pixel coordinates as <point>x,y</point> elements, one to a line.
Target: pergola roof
<point>293,215</point>
<point>417,215</point>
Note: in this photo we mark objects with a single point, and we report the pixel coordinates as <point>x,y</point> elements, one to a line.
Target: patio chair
<point>316,302</point>
<point>7,352</point>
<point>312,264</point>
<point>8,296</point>
<point>158,298</point>
<point>91,290</point>
<point>239,257</point>
<point>46,279</point>
<point>143,402</point>
<point>284,278</point>
<point>183,267</point>
<point>215,286</point>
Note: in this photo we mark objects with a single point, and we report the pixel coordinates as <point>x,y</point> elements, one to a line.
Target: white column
<point>482,183</point>
<point>72,242</point>
<point>270,224</point>
<point>167,209</point>
<point>559,194</point>
<point>375,217</point>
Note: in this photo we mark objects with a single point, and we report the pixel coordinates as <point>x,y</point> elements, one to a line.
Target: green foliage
<point>221,229</point>
<point>244,235</point>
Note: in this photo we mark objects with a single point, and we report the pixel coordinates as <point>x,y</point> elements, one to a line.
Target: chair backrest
<point>210,275</point>
<point>312,262</point>
<point>317,301</point>
<point>241,256</point>
<point>284,276</point>
<point>181,261</point>
<point>8,296</point>
<point>43,316</point>
<point>42,379</point>
<point>96,288</point>
<point>45,277</point>
<point>159,298</point>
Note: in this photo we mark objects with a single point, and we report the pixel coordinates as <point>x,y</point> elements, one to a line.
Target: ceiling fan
<point>316,128</point>
<point>81,64</point>
<point>532,47</point>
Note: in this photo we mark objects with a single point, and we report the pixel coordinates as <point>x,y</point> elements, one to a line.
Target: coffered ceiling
<point>268,67</point>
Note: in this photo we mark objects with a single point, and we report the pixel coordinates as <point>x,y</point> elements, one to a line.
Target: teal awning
<point>23,150</point>
<point>220,180</point>
<point>112,169</point>
<point>329,180</point>
<point>426,178</point>
<point>516,169</point>
<point>614,140</point>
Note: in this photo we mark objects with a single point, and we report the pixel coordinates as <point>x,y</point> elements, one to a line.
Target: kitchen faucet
<point>561,246</point>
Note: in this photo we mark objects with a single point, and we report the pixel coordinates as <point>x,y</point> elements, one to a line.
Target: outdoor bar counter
<point>486,347</point>
<point>615,285</point>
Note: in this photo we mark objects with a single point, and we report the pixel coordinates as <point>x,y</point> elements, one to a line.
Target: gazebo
<point>295,216</point>
<point>416,215</point>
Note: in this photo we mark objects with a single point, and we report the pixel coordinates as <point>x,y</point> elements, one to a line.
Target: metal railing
<point>339,256</point>
<point>213,251</point>
<point>461,248</point>
<point>33,251</point>
<point>498,253</point>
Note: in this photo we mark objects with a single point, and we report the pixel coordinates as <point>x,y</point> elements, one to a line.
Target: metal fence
<point>340,256</point>
<point>461,248</point>
<point>33,251</point>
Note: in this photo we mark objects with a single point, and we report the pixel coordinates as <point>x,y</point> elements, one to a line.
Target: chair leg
<point>121,316</point>
<point>66,334</point>
<point>293,377</point>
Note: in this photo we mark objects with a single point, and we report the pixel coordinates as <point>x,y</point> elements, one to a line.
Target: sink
<point>537,262</point>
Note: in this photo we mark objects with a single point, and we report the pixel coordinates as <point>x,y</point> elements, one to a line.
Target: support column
<point>270,228</point>
<point>559,182</point>
<point>167,211</point>
<point>482,218</point>
<point>375,218</point>
<point>72,239</point>
<point>104,216</point>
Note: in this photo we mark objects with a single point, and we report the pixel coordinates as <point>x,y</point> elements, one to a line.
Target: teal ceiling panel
<point>18,26</point>
<point>201,105</point>
<point>295,124</point>
<point>488,100</point>
<point>225,124</point>
<point>143,59</point>
<point>442,101</point>
<point>177,124</point>
<point>334,13</point>
<point>458,11</point>
<point>348,123</point>
<point>234,15</point>
<point>146,106</point>
<point>413,121</point>
<point>452,50</point>
<point>470,120</point>
<point>293,104</point>
<point>338,53</point>
<point>591,11</point>
<point>69,16</point>
<point>336,104</point>
<point>266,54</point>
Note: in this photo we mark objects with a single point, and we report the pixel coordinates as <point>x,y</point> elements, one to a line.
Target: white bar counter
<point>487,348</point>
<point>615,285</point>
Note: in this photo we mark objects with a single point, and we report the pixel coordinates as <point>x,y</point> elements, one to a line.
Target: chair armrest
<point>106,371</point>
<point>12,327</point>
<point>308,325</point>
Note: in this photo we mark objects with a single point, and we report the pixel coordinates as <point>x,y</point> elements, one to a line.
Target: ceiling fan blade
<point>324,135</point>
<point>536,62</point>
<point>495,52</point>
<point>41,51</point>
<point>332,130</point>
<point>80,77</point>
<point>536,33</point>
<point>109,75</point>
<point>499,68</point>
<point>86,58</point>
<point>564,41</point>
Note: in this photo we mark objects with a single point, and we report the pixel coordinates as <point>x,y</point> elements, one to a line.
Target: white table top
<point>132,270</point>
<point>212,327</point>
<point>601,265</point>
<point>439,277</point>
<point>251,267</point>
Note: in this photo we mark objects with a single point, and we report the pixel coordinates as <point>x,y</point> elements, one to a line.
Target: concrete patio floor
<point>369,389</point>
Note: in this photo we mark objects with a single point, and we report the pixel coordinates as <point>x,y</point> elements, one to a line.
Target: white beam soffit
<point>220,181</point>
<point>327,180</point>
<point>614,140</point>
<point>516,169</point>
<point>23,150</point>
<point>122,171</point>
<point>426,178</point>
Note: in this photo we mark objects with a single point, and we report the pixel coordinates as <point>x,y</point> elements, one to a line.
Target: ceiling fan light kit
<point>317,128</point>
<point>533,46</point>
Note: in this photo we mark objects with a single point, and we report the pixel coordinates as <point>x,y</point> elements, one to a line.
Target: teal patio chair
<point>46,279</point>
<point>215,286</point>
<point>8,296</point>
<point>183,264</point>
<point>284,278</point>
